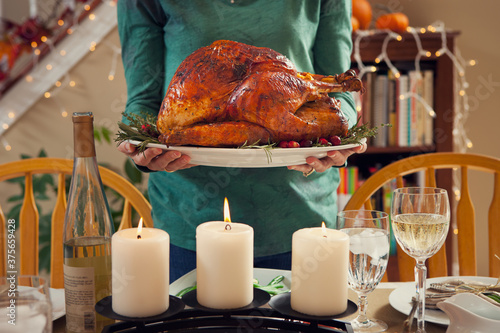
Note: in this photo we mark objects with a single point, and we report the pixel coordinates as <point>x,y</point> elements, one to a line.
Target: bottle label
<point>79,291</point>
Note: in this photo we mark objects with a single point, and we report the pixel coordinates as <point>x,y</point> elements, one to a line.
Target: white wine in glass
<point>368,232</point>
<point>420,222</point>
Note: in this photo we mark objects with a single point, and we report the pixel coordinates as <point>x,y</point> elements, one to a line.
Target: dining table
<point>379,307</point>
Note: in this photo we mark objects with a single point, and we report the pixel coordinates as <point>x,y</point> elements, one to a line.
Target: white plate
<point>250,157</point>
<point>400,298</point>
<point>264,276</point>
<point>58,305</point>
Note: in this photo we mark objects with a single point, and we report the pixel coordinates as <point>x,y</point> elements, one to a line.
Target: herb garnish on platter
<point>143,128</point>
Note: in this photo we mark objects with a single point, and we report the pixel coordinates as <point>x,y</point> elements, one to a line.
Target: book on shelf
<point>349,183</point>
<point>405,102</point>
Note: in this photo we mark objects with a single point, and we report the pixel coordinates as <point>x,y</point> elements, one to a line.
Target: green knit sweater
<point>157,35</point>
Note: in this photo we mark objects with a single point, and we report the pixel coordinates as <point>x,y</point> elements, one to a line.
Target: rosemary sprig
<point>142,128</point>
<point>358,132</point>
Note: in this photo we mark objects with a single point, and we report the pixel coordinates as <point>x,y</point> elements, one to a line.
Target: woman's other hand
<point>333,158</point>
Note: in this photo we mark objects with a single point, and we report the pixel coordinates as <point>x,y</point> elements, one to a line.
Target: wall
<point>43,126</point>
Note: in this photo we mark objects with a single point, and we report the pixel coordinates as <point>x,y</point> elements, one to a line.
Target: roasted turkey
<point>228,94</point>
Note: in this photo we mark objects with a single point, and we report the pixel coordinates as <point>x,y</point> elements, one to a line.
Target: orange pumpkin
<point>397,22</point>
<point>362,10</point>
<point>354,23</point>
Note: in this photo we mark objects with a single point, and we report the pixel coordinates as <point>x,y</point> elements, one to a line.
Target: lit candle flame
<point>139,229</point>
<point>323,228</point>
<point>227,216</point>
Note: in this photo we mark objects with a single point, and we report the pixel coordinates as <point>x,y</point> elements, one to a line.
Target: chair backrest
<point>27,244</point>
<point>464,214</point>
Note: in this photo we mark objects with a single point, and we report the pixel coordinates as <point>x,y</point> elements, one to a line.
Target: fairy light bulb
<point>472,62</point>
<point>29,78</point>
<point>48,67</point>
<point>111,77</point>
<point>11,115</point>
<point>58,84</point>
<point>5,126</point>
<point>60,23</point>
<point>62,53</point>
<point>34,44</point>
<point>72,83</point>
<point>92,17</point>
<point>47,94</point>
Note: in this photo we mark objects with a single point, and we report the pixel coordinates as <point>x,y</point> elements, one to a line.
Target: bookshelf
<point>402,55</point>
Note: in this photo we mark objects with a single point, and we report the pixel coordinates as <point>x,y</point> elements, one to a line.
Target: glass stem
<point>420,276</point>
<point>362,304</point>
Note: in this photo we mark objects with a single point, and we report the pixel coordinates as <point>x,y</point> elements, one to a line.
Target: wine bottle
<point>88,229</point>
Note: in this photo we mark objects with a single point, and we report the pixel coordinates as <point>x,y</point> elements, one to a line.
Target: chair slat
<point>399,181</point>
<point>494,229</point>
<point>466,228</point>
<point>406,266</point>
<point>430,177</point>
<point>126,221</point>
<point>56,249</point>
<point>28,230</point>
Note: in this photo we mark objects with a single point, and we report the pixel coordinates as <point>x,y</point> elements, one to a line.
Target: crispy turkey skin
<point>228,94</point>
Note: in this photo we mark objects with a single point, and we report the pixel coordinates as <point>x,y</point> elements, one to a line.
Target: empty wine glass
<point>368,232</point>
<point>25,304</point>
<point>420,222</point>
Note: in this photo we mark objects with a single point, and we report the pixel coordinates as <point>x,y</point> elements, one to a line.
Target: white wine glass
<point>420,222</point>
<point>368,232</point>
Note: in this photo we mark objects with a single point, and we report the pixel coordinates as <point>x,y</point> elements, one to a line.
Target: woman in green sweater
<point>156,36</point>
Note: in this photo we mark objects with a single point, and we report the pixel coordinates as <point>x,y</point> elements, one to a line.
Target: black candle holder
<point>104,308</point>
<point>260,297</point>
<point>255,319</point>
<point>282,304</point>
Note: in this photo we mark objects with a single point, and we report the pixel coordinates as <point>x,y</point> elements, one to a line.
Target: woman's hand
<point>333,158</point>
<point>156,159</point>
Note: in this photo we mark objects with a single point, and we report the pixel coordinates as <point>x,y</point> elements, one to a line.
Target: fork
<point>407,324</point>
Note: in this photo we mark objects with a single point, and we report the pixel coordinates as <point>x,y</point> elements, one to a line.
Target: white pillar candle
<point>224,265</point>
<point>319,271</point>
<point>140,270</point>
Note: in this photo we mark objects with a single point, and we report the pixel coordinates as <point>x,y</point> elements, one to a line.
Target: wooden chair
<point>27,242</point>
<point>464,213</point>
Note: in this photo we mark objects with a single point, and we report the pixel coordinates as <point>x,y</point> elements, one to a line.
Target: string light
<point>461,101</point>
<point>36,75</point>
<point>6,145</point>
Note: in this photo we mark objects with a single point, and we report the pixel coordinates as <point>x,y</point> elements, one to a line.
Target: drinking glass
<point>25,304</point>
<point>368,232</point>
<point>420,222</point>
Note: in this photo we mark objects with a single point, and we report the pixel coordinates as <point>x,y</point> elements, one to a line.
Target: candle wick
<point>324,236</point>
<point>227,227</point>
<point>139,237</point>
